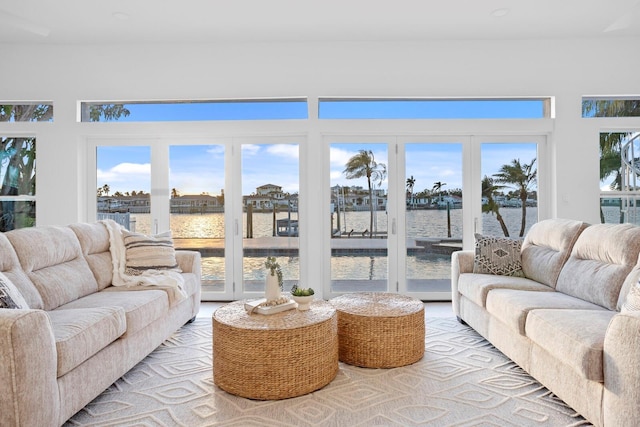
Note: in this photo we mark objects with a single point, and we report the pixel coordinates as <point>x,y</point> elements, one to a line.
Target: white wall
<point>564,69</point>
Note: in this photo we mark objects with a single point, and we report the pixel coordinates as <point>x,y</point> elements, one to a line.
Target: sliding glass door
<point>400,206</point>
<point>359,218</point>
<point>197,208</point>
<point>433,215</point>
<point>269,211</point>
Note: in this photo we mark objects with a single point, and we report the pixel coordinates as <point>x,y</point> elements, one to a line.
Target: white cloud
<point>250,149</point>
<point>339,157</point>
<point>132,168</point>
<point>216,150</point>
<point>197,182</point>
<point>125,177</point>
<point>284,150</point>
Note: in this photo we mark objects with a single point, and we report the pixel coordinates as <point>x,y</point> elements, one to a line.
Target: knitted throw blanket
<point>168,280</point>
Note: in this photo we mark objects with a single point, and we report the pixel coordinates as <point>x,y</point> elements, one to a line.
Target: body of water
<point>419,223</point>
<point>362,266</point>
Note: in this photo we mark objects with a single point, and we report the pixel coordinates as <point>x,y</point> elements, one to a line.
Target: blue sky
<point>196,169</point>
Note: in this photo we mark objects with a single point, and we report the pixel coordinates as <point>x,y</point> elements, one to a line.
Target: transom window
<point>399,108</point>
<point>193,110</point>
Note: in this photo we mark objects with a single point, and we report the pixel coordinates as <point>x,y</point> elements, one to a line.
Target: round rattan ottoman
<point>276,356</point>
<point>379,330</point>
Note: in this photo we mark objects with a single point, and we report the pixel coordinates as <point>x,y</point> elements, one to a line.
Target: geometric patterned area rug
<point>462,381</point>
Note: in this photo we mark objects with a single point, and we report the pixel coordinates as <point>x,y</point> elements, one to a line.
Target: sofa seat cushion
<point>476,286</point>
<point>82,332</point>
<point>141,307</point>
<point>512,307</point>
<point>573,336</point>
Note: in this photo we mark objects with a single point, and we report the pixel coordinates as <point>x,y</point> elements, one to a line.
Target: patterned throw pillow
<point>632,303</point>
<point>498,255</point>
<point>10,296</point>
<point>148,252</point>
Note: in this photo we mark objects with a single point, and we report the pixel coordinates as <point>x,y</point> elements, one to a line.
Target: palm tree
<point>489,189</point>
<point>174,193</point>
<point>522,176</point>
<point>364,164</point>
<point>410,183</point>
<point>106,189</point>
<point>437,186</point>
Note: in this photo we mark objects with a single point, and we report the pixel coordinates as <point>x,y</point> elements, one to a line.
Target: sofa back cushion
<point>600,262</point>
<point>10,267</point>
<point>52,259</point>
<point>94,241</point>
<point>546,248</point>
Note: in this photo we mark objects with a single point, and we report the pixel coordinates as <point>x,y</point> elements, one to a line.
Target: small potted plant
<point>302,296</point>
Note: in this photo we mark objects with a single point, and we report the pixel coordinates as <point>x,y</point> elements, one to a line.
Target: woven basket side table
<point>379,330</point>
<point>277,356</point>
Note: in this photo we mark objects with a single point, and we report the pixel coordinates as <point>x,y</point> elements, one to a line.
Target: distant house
<point>268,196</point>
<point>273,191</point>
<point>195,203</point>
<point>451,200</point>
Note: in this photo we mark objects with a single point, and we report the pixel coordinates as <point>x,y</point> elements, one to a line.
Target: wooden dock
<point>262,246</point>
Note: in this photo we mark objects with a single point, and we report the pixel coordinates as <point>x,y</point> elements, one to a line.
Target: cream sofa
<point>79,334</point>
<point>562,322</point>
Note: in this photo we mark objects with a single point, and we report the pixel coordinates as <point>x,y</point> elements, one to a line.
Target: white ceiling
<point>161,21</point>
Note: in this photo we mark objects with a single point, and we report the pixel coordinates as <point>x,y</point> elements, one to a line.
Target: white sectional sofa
<point>79,334</point>
<point>562,322</point>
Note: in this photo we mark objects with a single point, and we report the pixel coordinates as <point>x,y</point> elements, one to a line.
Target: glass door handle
<point>393,226</point>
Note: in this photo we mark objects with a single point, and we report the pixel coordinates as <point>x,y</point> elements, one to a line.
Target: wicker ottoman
<point>277,356</point>
<point>379,330</point>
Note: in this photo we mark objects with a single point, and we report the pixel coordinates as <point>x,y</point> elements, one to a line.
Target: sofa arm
<point>190,262</point>
<point>621,374</point>
<point>28,372</point>
<point>461,262</point>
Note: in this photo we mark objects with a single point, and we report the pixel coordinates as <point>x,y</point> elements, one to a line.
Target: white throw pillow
<point>632,303</point>
<point>148,252</point>
<point>10,296</point>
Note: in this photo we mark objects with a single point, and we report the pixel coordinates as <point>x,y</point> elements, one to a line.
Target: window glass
<point>272,109</point>
<point>433,213</point>
<point>124,186</point>
<point>270,226</point>
<point>359,217</point>
<point>432,108</point>
<point>196,179</point>
<point>610,107</point>
<point>619,169</point>
<point>18,179</point>
<point>509,188</point>
<point>27,112</point>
